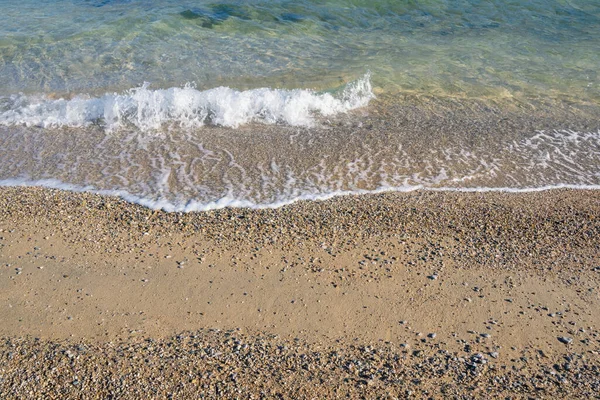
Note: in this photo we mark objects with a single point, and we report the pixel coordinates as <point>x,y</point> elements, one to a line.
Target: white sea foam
<point>232,202</point>
<point>185,107</point>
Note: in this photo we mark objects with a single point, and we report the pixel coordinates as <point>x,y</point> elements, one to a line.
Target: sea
<point>194,105</point>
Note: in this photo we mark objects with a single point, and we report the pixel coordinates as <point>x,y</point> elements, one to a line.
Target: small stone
<point>433,277</point>
<point>432,335</point>
<point>494,354</point>
<point>565,340</point>
<point>486,335</point>
<point>478,358</point>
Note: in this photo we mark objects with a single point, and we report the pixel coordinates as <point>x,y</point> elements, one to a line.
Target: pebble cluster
<point>230,364</point>
<point>533,226</point>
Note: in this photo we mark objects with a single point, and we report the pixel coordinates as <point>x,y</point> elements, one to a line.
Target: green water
<point>484,49</point>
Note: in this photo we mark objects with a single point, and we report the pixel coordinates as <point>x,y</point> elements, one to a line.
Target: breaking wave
<point>185,107</point>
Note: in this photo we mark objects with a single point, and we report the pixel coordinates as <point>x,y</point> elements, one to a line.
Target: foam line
<point>194,206</point>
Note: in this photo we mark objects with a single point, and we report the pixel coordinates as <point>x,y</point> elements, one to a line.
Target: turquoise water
<point>199,104</point>
<point>460,48</point>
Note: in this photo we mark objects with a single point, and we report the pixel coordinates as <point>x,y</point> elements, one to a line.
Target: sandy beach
<point>429,294</point>
<point>308,199</point>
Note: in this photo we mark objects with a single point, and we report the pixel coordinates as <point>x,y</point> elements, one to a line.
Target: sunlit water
<point>198,104</point>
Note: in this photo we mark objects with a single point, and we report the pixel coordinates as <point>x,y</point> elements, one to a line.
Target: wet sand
<point>430,294</point>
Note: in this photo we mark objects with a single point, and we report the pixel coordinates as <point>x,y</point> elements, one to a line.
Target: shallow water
<point>473,48</point>
<point>201,104</point>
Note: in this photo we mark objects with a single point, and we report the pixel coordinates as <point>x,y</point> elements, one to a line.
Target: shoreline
<point>52,184</point>
<point>454,291</point>
<point>401,142</point>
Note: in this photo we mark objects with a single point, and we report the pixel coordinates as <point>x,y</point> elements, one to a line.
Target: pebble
<point>565,339</point>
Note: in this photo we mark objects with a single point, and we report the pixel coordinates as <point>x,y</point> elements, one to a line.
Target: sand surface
<point>434,294</point>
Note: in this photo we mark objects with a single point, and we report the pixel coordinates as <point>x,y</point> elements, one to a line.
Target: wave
<point>232,202</point>
<point>184,107</point>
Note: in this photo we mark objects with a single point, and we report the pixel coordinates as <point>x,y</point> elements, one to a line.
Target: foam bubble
<point>185,107</point>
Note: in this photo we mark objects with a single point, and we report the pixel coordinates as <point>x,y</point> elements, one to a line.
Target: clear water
<point>473,48</point>
<point>199,104</point>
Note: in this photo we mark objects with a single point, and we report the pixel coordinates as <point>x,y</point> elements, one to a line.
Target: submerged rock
<point>215,14</point>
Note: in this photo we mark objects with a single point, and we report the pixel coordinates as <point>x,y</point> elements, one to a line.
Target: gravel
<point>230,364</point>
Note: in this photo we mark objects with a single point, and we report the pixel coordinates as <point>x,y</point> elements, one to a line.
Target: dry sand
<point>429,294</point>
